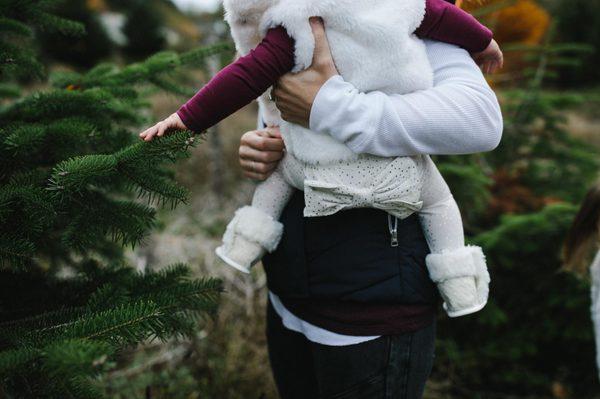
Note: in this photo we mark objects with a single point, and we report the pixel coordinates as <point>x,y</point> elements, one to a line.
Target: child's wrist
<point>186,119</point>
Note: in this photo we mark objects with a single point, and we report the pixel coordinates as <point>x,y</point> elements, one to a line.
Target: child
<point>374,48</point>
<point>583,238</point>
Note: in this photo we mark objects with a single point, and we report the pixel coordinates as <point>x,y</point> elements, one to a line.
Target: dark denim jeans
<point>390,367</point>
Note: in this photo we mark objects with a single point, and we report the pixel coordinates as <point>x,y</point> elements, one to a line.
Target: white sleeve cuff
<point>329,96</point>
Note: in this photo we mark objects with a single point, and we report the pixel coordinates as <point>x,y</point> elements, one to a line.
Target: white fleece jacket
<point>372,43</point>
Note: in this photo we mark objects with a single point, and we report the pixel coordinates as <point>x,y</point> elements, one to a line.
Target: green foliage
<point>536,330</point>
<point>143,29</point>
<point>537,323</point>
<point>18,19</point>
<point>579,21</point>
<point>118,307</point>
<point>86,50</point>
<point>76,186</point>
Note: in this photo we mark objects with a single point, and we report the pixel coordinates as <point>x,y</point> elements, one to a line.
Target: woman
<point>351,314</point>
<point>581,241</point>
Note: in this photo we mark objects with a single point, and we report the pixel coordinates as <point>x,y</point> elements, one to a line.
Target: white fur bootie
<point>248,236</point>
<point>462,279</point>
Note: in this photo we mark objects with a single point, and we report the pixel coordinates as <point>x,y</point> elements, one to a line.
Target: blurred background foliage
<point>533,340</point>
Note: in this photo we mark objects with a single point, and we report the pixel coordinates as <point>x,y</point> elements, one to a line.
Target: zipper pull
<point>393,227</point>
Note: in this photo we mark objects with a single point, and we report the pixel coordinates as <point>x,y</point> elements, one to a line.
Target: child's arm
<point>447,23</point>
<point>233,87</point>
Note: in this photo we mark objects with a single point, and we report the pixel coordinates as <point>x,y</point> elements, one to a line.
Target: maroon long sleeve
<point>250,76</point>
<point>447,23</point>
<point>241,82</point>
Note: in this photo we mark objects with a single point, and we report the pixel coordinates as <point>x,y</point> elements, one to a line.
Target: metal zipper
<point>393,227</point>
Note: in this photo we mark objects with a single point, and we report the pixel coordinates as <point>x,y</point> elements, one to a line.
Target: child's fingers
<point>484,66</point>
<point>162,128</point>
<point>151,132</point>
<point>145,132</point>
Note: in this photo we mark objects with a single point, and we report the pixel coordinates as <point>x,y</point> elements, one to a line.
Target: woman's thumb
<point>322,52</point>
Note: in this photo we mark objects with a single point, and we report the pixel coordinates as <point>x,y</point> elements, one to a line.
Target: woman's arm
<point>459,115</point>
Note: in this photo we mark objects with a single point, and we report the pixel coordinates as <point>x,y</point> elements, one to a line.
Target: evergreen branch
<point>125,221</point>
<point>78,173</point>
<point>15,251</point>
<point>159,64</point>
<point>156,189</point>
<point>25,139</point>
<point>170,87</point>
<point>25,213</point>
<point>13,330</point>
<point>9,91</point>
<point>75,357</point>
<point>125,324</point>
<point>95,105</point>
<point>50,22</point>
<point>196,56</point>
<point>14,27</point>
<point>13,361</point>
<point>138,320</point>
<point>18,61</point>
<point>172,147</point>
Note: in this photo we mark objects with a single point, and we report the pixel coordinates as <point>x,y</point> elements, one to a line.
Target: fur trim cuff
<point>257,226</point>
<point>462,262</point>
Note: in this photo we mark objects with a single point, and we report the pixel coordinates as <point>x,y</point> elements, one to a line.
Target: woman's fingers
<point>262,142</point>
<point>255,176</point>
<point>257,170</point>
<point>260,152</point>
<point>258,167</point>
<point>251,154</point>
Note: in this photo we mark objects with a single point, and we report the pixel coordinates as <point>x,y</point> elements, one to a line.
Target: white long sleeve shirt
<point>459,115</point>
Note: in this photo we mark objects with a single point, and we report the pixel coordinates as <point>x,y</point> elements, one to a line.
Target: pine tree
<point>144,29</point>
<point>76,186</point>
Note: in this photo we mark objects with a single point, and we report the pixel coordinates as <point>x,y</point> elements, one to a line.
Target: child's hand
<point>491,59</point>
<point>173,122</point>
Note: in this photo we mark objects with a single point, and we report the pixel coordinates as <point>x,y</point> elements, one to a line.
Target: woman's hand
<point>260,152</point>
<point>294,94</point>
<point>173,122</point>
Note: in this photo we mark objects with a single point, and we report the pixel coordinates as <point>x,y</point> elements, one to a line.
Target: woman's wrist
<point>326,100</point>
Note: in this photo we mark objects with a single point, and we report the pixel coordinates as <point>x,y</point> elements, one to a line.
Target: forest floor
<point>229,359</point>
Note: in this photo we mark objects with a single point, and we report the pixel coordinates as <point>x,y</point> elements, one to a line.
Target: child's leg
<point>255,229</point>
<point>459,271</point>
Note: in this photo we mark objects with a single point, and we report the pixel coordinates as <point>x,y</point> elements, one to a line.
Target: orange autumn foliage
<point>523,22</point>
<point>96,5</point>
